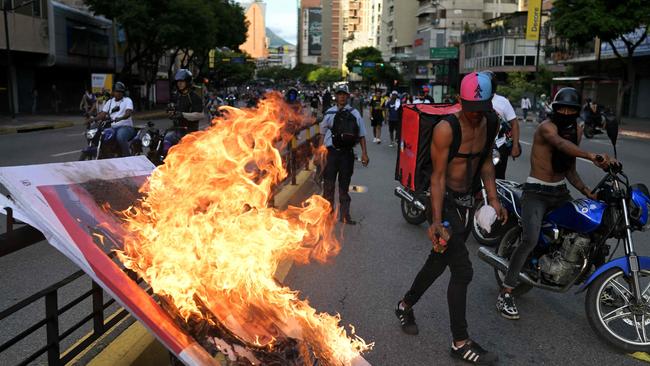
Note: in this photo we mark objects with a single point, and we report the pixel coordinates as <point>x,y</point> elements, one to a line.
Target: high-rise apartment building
<point>397,28</point>
<point>332,33</point>
<point>310,32</point>
<point>256,42</point>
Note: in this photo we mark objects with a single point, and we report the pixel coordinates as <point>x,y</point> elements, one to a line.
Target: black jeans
<point>500,169</point>
<point>457,258</point>
<point>339,163</point>
<point>536,201</point>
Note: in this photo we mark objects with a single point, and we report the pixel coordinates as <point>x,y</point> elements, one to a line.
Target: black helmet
<point>119,87</point>
<point>184,75</point>
<point>493,79</point>
<point>566,97</point>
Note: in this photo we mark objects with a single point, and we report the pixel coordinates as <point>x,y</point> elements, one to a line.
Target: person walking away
<point>552,162</point>
<point>34,100</point>
<point>356,102</point>
<point>509,128</point>
<point>327,100</point>
<point>460,151</point>
<point>188,110</point>
<point>119,109</point>
<point>393,105</point>
<point>55,99</point>
<point>341,129</point>
<point>525,106</point>
<point>544,109</point>
<point>88,104</point>
<point>376,116</point>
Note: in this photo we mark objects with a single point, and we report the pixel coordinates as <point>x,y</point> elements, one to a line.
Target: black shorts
<point>377,119</point>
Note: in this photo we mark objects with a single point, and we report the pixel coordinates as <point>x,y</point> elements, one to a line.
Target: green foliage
<point>580,21</point>
<point>325,75</point>
<point>153,27</point>
<point>301,71</point>
<point>229,73</point>
<point>518,85</point>
<point>277,73</point>
<point>358,56</point>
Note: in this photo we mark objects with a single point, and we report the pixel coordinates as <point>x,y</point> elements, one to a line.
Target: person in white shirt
<point>525,106</point>
<point>119,110</point>
<point>509,128</point>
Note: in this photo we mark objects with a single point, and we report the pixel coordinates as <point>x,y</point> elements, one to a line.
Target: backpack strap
<point>457,137</point>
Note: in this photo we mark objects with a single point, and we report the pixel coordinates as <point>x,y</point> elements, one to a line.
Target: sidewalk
<point>30,123</point>
<point>632,127</point>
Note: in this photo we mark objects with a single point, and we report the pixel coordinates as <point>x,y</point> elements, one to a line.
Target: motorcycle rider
<point>119,109</point>
<point>553,161</point>
<point>509,128</point>
<point>460,146</point>
<point>188,109</point>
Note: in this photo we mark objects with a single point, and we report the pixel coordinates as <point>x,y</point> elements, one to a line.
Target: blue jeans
<point>123,135</point>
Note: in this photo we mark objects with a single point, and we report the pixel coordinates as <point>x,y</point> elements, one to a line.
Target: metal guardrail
<point>296,155</point>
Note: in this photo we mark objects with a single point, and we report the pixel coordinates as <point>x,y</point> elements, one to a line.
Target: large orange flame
<point>204,231</point>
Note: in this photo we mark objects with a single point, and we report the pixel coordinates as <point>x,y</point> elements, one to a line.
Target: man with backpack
<point>341,129</point>
<point>461,148</point>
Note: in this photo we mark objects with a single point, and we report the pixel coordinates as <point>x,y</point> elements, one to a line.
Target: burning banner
<point>201,234</point>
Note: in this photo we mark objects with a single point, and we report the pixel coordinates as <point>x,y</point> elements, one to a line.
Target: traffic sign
<point>444,52</point>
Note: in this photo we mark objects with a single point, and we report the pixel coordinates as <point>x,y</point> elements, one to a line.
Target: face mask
<point>563,120</point>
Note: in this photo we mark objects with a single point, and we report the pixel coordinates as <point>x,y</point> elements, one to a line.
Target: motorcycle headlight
<point>496,157</point>
<point>146,140</point>
<point>90,134</point>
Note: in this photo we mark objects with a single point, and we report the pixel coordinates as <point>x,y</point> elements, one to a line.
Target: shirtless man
<point>553,160</point>
<point>459,148</point>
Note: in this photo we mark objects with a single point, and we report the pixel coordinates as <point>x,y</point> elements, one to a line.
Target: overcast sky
<point>281,18</point>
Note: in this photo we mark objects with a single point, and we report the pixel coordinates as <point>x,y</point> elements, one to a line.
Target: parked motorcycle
<point>102,142</point>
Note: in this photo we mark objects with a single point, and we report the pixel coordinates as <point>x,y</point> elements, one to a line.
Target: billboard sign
<point>534,20</point>
<point>101,82</point>
<point>443,53</point>
<point>315,32</point>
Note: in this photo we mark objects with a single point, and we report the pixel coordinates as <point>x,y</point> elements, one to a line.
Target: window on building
<point>520,60</point>
<point>508,60</point>
<point>442,13</point>
<point>530,60</point>
<point>440,40</point>
<point>488,15</point>
<point>36,8</point>
<point>391,9</point>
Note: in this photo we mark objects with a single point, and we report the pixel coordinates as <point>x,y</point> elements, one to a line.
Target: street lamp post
<point>6,6</point>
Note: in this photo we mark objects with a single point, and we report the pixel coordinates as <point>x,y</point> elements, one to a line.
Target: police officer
<point>188,109</point>
<point>340,161</point>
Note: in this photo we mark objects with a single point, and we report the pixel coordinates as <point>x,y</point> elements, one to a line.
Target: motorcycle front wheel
<point>412,214</point>
<point>510,241</point>
<point>614,314</point>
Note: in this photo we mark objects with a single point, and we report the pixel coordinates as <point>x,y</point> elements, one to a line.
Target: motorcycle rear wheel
<point>511,239</point>
<point>412,214</point>
<point>610,300</point>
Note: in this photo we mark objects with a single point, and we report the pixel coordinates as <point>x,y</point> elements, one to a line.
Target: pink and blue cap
<point>476,92</point>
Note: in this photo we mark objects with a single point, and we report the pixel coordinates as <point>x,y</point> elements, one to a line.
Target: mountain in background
<point>275,40</point>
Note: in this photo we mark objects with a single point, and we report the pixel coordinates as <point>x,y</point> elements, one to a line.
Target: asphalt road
<point>381,256</point>
<point>378,261</point>
<point>32,269</point>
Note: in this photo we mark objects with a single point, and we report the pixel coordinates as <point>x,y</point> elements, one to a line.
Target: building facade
<point>310,32</point>
<point>54,44</point>
<point>397,28</point>
<point>332,33</point>
<point>256,43</point>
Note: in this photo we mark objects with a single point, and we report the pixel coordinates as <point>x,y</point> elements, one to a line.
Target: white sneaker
<point>375,140</point>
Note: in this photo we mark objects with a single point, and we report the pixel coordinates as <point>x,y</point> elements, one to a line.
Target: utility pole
<point>6,6</point>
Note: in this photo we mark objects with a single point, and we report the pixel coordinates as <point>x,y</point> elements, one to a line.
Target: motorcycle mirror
<point>612,133</point>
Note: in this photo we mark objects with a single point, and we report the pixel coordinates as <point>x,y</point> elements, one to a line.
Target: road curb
<point>136,346</point>
<point>35,127</point>
<point>637,134</point>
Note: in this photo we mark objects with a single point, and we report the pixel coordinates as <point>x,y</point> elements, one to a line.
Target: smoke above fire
<point>204,235</point>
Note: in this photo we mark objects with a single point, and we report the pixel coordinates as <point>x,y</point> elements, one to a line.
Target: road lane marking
<point>65,153</point>
<point>525,143</point>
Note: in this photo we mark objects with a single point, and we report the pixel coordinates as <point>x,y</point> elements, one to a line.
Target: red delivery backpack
<point>414,165</point>
<point>413,169</point>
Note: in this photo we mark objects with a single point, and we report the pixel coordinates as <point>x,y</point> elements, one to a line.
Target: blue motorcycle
<point>573,251</point>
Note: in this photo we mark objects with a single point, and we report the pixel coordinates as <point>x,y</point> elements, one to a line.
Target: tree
<point>301,71</point>
<point>277,73</point>
<point>190,28</point>
<point>229,72</point>
<point>325,75</point>
<point>360,55</point>
<point>380,72</point>
<point>579,21</point>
